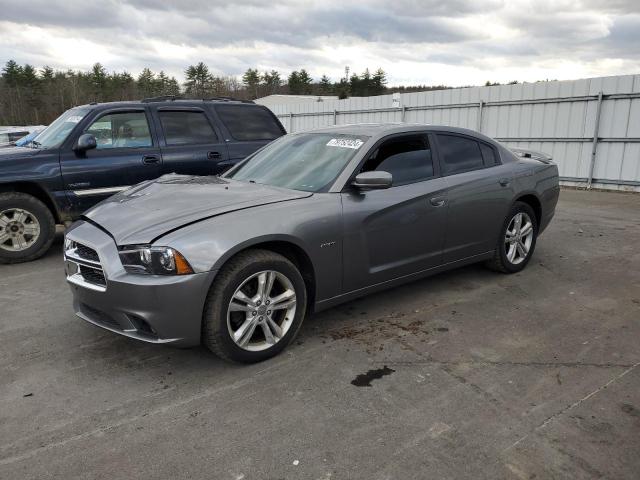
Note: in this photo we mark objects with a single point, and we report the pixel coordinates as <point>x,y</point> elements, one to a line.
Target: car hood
<point>11,152</point>
<point>147,211</point>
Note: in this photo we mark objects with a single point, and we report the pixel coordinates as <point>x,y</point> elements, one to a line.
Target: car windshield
<point>308,162</point>
<point>59,130</point>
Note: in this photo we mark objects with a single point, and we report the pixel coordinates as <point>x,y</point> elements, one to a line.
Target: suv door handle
<point>150,159</point>
<point>213,155</point>
<point>437,201</point>
<point>504,182</point>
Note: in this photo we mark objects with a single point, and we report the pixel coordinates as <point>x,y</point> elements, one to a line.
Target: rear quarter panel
<point>539,179</point>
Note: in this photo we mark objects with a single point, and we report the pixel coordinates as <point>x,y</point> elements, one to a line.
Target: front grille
<point>93,275</point>
<point>84,267</point>
<point>87,253</point>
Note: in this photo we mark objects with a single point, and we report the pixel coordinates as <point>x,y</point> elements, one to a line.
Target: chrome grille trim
<point>76,261</point>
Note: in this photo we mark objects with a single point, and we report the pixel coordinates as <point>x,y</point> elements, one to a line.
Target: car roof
<point>170,101</point>
<point>378,130</point>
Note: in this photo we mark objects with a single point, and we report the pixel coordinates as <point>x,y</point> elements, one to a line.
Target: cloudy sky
<point>453,42</point>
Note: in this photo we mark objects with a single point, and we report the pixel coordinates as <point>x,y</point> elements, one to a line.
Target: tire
<point>501,261</point>
<point>21,213</point>
<point>239,280</point>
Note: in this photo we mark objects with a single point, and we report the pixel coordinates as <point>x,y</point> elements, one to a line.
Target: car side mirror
<point>86,141</point>
<point>375,180</point>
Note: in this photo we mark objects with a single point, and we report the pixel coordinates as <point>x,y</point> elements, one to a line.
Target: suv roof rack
<point>172,98</point>
<point>229,99</point>
<point>162,98</point>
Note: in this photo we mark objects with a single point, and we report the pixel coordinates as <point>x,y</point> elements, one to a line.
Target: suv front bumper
<point>151,308</point>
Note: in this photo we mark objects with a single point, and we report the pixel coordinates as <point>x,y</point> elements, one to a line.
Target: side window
<point>249,122</point>
<point>407,159</point>
<point>488,154</point>
<point>121,130</point>
<point>458,154</point>
<point>186,127</point>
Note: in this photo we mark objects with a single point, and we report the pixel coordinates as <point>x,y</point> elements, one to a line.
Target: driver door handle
<point>150,159</point>
<point>437,201</point>
<point>504,182</point>
<point>213,155</point>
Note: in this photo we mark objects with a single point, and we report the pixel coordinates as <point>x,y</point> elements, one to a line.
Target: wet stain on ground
<point>365,379</point>
<point>631,410</point>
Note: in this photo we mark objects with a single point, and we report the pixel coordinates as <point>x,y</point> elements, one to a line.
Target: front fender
<point>312,224</point>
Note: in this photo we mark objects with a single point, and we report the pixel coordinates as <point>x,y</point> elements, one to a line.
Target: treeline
<point>30,96</point>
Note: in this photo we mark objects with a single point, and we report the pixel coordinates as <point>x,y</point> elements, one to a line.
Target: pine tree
<point>305,82</point>
<point>147,84</point>
<point>251,80</point>
<point>379,82</point>
<point>198,80</point>
<point>325,85</point>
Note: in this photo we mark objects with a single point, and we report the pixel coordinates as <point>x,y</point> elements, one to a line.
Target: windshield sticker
<point>74,118</point>
<point>354,143</point>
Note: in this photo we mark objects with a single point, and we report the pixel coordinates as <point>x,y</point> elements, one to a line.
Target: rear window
<point>247,122</point>
<point>458,154</point>
<point>186,127</point>
<point>488,154</point>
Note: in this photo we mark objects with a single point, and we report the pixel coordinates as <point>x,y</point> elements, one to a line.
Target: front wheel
<point>27,227</point>
<point>254,308</point>
<point>517,240</point>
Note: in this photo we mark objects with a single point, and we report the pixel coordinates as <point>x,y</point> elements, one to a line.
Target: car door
<point>127,153</point>
<point>400,230</point>
<point>247,128</point>
<point>189,142</point>
<point>479,194</point>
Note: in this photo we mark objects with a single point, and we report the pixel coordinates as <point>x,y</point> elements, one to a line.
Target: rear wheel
<point>255,307</point>
<point>517,240</point>
<point>27,228</point>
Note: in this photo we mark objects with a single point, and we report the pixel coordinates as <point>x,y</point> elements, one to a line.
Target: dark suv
<point>93,151</point>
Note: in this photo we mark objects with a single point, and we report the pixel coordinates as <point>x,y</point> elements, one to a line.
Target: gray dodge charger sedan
<point>311,220</point>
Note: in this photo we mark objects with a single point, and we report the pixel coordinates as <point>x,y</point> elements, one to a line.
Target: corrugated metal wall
<point>558,118</point>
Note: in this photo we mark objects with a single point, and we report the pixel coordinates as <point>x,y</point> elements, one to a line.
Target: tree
<point>271,82</point>
<point>379,82</point>
<point>293,82</point>
<point>12,73</point>
<point>198,80</point>
<point>98,79</point>
<point>325,85</point>
<point>147,84</point>
<point>251,80</point>
<point>305,81</point>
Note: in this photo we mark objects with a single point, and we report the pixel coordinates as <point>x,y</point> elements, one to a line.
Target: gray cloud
<point>290,34</point>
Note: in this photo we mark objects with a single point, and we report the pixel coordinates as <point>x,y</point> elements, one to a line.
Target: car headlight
<point>154,261</point>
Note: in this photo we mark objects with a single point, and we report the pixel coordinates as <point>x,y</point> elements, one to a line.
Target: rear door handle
<point>437,201</point>
<point>214,155</point>
<point>150,159</point>
<point>504,182</point>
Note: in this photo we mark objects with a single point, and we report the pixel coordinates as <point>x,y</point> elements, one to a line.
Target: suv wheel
<point>27,228</point>
<point>255,307</point>
<point>517,240</point>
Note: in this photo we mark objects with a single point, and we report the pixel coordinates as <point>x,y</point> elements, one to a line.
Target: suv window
<point>249,122</point>
<point>458,154</point>
<point>186,127</point>
<point>121,130</point>
<point>407,158</point>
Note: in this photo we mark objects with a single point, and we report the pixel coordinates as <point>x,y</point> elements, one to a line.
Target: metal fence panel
<point>560,118</point>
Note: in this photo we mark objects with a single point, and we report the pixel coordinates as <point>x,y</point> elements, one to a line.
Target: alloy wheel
<point>261,310</point>
<point>19,229</point>
<point>518,238</point>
